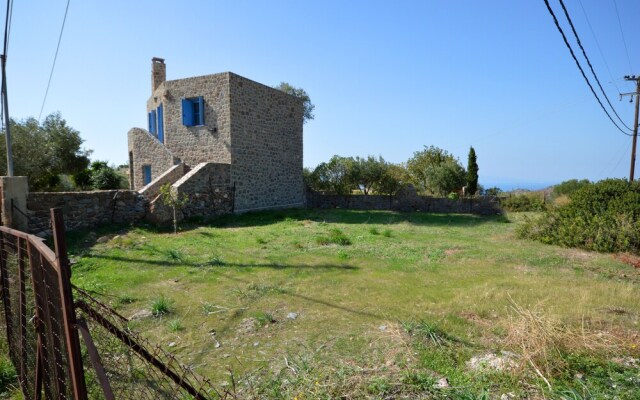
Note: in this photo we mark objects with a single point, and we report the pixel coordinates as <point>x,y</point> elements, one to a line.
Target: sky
<point>387,77</point>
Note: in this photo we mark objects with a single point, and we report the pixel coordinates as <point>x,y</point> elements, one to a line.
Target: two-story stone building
<point>239,132</point>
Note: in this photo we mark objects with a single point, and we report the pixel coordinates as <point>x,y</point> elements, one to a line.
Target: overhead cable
<point>54,60</point>
<point>566,42</point>
<point>584,53</point>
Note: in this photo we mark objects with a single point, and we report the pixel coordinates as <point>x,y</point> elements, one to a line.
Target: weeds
<point>335,236</point>
<point>175,256</point>
<point>374,231</point>
<point>427,332</point>
<point>175,326</point>
<point>126,299</point>
<point>265,318</point>
<point>161,306</point>
<point>387,233</point>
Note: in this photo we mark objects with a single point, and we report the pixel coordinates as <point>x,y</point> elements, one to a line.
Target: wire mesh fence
<point>43,317</point>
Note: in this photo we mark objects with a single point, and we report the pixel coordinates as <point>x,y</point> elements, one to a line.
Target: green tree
<point>366,173</point>
<point>446,177</point>
<point>472,172</point>
<point>171,198</point>
<point>43,152</point>
<point>104,177</point>
<point>301,94</point>
<point>392,179</point>
<point>434,170</point>
<point>334,176</point>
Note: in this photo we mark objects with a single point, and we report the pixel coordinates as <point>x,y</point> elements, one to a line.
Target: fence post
<point>68,312</point>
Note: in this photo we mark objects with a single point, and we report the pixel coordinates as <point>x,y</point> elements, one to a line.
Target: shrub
<point>523,202</point>
<point>604,217</point>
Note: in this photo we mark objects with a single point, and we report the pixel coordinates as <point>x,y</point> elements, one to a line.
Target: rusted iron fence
<point>45,317</point>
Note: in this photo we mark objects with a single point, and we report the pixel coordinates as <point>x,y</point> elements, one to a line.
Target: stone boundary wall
<point>482,205</point>
<point>152,190</point>
<point>85,209</point>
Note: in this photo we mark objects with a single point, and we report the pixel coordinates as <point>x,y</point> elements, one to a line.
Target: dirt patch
<point>629,259</point>
<point>452,251</point>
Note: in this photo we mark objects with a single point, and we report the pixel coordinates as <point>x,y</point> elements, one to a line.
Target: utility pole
<point>5,106</point>
<point>635,123</point>
<point>5,100</point>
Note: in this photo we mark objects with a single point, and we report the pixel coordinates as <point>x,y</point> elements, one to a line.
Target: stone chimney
<point>158,72</point>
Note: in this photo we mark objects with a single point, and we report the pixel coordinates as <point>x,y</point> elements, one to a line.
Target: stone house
<point>220,131</point>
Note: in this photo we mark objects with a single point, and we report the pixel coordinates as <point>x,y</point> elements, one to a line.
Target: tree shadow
<point>216,263</point>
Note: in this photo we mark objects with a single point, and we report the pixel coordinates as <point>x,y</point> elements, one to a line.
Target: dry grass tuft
<point>542,341</point>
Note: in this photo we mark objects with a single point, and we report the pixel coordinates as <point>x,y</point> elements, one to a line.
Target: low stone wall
<point>407,200</point>
<point>85,209</point>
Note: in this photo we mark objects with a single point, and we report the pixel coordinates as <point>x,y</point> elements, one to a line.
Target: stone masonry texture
<point>85,209</point>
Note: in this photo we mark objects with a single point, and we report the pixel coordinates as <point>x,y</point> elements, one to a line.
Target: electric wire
<point>55,57</point>
<point>595,39</point>
<point>626,49</point>
<point>584,53</point>
<point>566,42</point>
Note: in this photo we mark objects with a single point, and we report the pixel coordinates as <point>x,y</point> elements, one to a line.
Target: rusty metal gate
<point>43,324</point>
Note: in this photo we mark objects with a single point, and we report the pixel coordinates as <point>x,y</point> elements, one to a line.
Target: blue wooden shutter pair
<point>160,124</point>
<point>193,111</point>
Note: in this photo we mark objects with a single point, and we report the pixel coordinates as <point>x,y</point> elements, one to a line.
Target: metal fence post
<point>68,312</point>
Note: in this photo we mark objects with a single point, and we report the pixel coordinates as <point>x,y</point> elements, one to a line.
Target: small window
<point>146,174</point>
<point>193,111</point>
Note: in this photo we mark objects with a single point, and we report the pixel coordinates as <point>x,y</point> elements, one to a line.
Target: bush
<point>523,202</point>
<point>604,217</point>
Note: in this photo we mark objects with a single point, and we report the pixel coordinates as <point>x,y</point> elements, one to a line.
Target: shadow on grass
<point>225,264</point>
<point>342,216</point>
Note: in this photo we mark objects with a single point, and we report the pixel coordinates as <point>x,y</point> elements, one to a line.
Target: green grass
<point>385,304</point>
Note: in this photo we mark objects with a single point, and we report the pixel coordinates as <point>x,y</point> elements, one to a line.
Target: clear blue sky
<point>387,77</point>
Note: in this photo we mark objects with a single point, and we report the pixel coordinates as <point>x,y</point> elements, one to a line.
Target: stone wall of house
<point>145,149</point>
<point>210,142</point>
<point>208,188</point>
<point>407,200</point>
<point>266,146</point>
<point>170,176</point>
<point>85,209</point>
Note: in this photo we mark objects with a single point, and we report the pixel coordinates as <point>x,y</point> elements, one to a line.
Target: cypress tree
<point>472,172</point>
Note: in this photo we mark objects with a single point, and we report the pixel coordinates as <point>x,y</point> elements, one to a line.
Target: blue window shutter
<point>152,122</point>
<point>201,111</point>
<point>187,112</point>
<point>146,174</point>
<point>160,124</point>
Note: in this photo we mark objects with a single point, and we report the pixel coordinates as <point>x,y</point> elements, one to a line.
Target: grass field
<point>324,304</point>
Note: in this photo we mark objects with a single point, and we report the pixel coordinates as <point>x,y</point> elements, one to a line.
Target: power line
<point>626,49</point>
<point>566,42</point>
<point>595,39</point>
<point>54,60</point>
<point>584,53</point>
